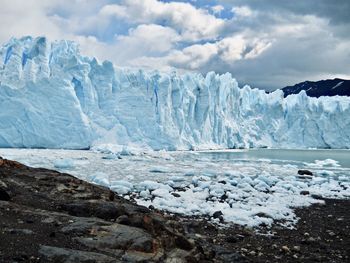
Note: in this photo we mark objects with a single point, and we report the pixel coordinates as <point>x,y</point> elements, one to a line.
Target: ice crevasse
<point>53,97</point>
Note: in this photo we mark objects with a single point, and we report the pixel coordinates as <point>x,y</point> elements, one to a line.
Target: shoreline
<point>54,217</point>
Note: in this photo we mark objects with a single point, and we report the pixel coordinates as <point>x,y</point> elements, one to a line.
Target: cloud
<point>217,9</point>
<point>191,22</point>
<point>225,52</point>
<point>268,44</point>
<point>337,12</point>
<point>242,11</point>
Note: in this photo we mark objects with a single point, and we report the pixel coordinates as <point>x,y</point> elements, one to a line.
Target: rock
<point>56,254</point>
<point>10,164</point>
<point>83,225</point>
<point>131,209</point>
<point>48,220</point>
<point>234,239</point>
<point>177,256</point>
<point>3,185</point>
<point>143,244</point>
<point>176,195</point>
<point>118,236</point>
<point>4,195</point>
<point>108,211</point>
<point>227,255</point>
<point>296,248</point>
<point>223,197</point>
<point>305,172</point>
<point>183,243</point>
<point>331,233</point>
<point>311,239</point>
<point>262,214</point>
<point>29,221</point>
<point>124,220</point>
<point>62,188</point>
<point>285,249</point>
<point>217,214</point>
<point>20,231</point>
<point>111,196</point>
<point>80,209</point>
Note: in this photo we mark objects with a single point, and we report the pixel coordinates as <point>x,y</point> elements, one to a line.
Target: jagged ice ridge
<point>53,97</point>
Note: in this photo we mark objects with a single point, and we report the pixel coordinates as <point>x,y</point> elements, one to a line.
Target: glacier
<point>51,96</point>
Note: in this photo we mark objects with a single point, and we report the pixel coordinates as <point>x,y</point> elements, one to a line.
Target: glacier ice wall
<point>53,97</point>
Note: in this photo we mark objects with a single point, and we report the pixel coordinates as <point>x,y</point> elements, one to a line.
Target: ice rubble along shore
<point>53,97</point>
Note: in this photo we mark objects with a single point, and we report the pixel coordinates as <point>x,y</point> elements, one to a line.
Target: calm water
<point>280,155</point>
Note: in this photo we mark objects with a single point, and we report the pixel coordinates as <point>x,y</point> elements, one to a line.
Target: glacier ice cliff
<point>53,97</point>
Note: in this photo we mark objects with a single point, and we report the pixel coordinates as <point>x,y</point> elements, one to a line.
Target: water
<point>160,166</point>
<point>283,155</point>
<point>252,181</point>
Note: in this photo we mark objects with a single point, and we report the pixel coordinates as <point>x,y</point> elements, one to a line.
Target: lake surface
<point>240,183</point>
<point>162,165</point>
<point>284,155</point>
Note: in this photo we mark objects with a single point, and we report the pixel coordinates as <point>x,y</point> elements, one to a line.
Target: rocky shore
<point>47,216</point>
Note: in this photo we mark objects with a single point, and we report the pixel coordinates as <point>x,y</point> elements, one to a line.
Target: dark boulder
<point>217,214</point>
<point>4,195</point>
<point>304,172</point>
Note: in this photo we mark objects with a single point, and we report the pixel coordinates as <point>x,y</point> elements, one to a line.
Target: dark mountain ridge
<point>329,87</point>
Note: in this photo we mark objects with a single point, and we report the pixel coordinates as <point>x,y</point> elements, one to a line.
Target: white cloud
<point>217,9</point>
<point>154,38</point>
<point>191,22</point>
<point>16,19</point>
<point>259,45</point>
<point>242,11</point>
<point>228,50</point>
<point>193,57</point>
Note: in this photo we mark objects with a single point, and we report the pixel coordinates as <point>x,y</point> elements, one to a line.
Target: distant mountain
<point>329,87</point>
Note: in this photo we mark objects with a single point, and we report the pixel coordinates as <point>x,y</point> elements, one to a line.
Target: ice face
<point>53,97</point>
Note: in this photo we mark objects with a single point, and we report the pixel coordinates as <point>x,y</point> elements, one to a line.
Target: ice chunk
<point>64,164</point>
<point>99,178</point>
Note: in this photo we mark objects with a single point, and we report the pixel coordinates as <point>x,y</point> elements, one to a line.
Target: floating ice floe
<point>247,192</point>
<point>64,164</point>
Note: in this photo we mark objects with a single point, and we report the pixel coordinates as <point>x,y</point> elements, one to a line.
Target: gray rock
<point>56,254</point>
<point>118,236</point>
<point>20,231</point>
<point>83,225</point>
<point>81,209</point>
<point>108,210</point>
<point>177,256</point>
<point>124,220</point>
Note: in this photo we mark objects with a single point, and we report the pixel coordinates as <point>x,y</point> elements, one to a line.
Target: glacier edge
<point>53,97</point>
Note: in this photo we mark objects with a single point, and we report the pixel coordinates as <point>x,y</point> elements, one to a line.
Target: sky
<point>265,44</point>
